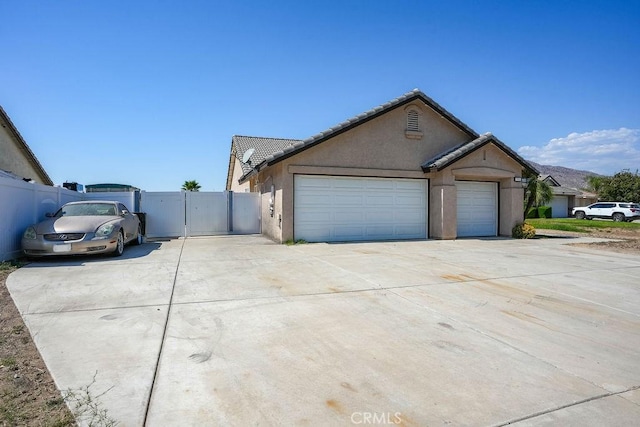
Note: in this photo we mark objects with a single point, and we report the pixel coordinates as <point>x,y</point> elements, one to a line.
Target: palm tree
<point>537,193</point>
<point>191,186</point>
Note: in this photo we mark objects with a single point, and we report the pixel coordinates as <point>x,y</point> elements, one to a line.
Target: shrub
<point>544,212</point>
<point>523,231</point>
<point>532,213</point>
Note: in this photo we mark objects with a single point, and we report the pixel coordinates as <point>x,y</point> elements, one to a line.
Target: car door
<point>607,209</point>
<point>600,210</point>
<point>130,224</point>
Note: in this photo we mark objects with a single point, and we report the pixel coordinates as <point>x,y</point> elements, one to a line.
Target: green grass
<point>579,225</point>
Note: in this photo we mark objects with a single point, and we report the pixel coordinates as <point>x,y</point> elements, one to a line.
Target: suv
<point>617,211</point>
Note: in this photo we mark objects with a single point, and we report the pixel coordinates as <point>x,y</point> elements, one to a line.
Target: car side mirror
<point>125,212</point>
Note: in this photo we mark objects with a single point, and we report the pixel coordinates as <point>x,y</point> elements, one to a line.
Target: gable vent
<point>412,121</point>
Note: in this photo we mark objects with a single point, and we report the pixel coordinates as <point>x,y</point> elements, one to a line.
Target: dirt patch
<point>618,240</point>
<point>28,395</point>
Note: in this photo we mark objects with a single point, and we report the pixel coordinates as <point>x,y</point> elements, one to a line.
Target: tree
<point>536,193</point>
<point>622,187</point>
<point>191,186</point>
<point>594,183</point>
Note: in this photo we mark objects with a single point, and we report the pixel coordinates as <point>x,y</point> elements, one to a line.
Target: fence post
<point>230,211</point>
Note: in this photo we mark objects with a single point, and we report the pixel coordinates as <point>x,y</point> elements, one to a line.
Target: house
<point>16,158</point>
<point>407,169</point>
<point>565,198</point>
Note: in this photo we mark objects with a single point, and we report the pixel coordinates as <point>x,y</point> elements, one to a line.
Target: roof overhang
<point>358,120</point>
<point>6,122</point>
<point>452,156</point>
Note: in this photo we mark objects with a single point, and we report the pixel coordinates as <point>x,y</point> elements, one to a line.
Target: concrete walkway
<point>237,330</point>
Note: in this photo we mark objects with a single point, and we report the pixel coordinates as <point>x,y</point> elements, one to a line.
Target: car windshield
<point>86,209</point>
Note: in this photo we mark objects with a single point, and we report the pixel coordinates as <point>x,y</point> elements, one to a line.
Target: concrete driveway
<point>237,330</point>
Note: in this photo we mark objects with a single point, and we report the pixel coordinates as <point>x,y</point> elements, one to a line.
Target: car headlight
<point>104,230</point>
<point>30,233</point>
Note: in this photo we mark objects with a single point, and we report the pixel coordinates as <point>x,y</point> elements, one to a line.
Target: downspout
<point>442,212</point>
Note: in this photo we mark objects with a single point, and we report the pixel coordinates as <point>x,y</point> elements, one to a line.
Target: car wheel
<point>119,245</point>
<point>580,215</point>
<point>618,217</point>
<point>138,239</point>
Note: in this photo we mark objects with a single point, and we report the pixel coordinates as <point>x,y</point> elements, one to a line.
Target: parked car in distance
<point>88,227</point>
<point>617,211</point>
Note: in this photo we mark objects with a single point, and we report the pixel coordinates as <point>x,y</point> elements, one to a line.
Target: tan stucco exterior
<point>15,155</point>
<point>382,147</point>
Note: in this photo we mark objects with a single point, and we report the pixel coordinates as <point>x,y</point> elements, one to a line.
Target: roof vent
<point>413,125</point>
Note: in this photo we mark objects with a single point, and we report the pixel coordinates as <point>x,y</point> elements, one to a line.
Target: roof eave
<point>25,148</point>
<point>499,144</point>
<point>354,122</point>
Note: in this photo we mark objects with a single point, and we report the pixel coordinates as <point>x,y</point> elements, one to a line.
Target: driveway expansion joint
<point>568,405</point>
<point>164,335</point>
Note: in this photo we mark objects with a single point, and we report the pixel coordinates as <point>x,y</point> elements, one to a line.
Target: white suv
<point>617,211</point>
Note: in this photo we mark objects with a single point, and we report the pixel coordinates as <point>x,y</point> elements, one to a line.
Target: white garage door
<point>337,209</point>
<point>560,207</point>
<point>477,209</point>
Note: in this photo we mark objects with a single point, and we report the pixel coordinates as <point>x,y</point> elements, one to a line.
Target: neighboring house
<point>565,198</point>
<point>16,157</point>
<point>407,169</point>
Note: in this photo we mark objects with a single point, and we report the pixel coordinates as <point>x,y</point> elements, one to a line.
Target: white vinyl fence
<point>22,204</point>
<point>167,214</point>
<point>176,214</point>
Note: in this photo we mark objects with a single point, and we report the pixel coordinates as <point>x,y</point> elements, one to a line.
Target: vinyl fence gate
<point>200,213</point>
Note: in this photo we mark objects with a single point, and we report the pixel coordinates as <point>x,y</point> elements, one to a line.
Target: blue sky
<point>149,93</point>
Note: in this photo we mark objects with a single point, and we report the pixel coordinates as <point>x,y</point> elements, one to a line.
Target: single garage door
<point>560,207</point>
<point>337,209</point>
<point>477,208</point>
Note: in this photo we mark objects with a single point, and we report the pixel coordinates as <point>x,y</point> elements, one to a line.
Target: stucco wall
<point>381,148</point>
<point>12,159</point>
<point>237,173</point>
<point>490,164</point>
<point>381,143</point>
<point>272,224</point>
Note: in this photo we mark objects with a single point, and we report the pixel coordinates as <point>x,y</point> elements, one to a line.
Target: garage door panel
<point>380,199</point>
<point>379,231</point>
<point>409,201</point>
<point>359,208</point>
<point>477,209</point>
<point>318,216</point>
<point>407,230</point>
<point>379,216</point>
<point>352,232</point>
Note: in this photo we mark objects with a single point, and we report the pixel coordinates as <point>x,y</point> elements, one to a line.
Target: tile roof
<point>565,191</point>
<point>264,147</point>
<point>296,146</point>
<point>448,157</point>
<point>269,151</point>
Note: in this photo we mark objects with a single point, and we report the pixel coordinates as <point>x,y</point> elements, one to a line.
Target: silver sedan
<point>88,227</point>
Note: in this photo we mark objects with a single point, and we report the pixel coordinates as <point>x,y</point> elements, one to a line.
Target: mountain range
<point>567,177</point>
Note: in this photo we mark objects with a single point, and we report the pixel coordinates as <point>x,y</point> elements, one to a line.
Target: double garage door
<point>334,209</point>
